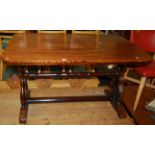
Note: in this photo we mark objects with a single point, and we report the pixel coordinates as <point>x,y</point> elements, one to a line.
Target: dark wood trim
<point>25,98</point>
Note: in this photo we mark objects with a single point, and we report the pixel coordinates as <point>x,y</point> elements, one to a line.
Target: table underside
<point>113,95</point>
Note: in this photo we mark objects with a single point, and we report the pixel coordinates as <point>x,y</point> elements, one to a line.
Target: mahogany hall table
<point>71,50</point>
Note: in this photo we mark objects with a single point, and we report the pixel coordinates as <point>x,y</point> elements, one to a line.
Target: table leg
<point>24,93</point>
<point>117,87</point>
<point>113,96</point>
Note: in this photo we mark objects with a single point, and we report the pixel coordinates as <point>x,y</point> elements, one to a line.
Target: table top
<point>71,49</point>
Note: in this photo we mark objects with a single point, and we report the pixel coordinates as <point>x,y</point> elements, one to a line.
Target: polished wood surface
<point>52,31</point>
<point>71,49</point>
<point>86,32</point>
<point>5,37</point>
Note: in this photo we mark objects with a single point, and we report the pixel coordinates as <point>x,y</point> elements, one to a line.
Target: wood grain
<point>63,113</point>
<point>59,49</point>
